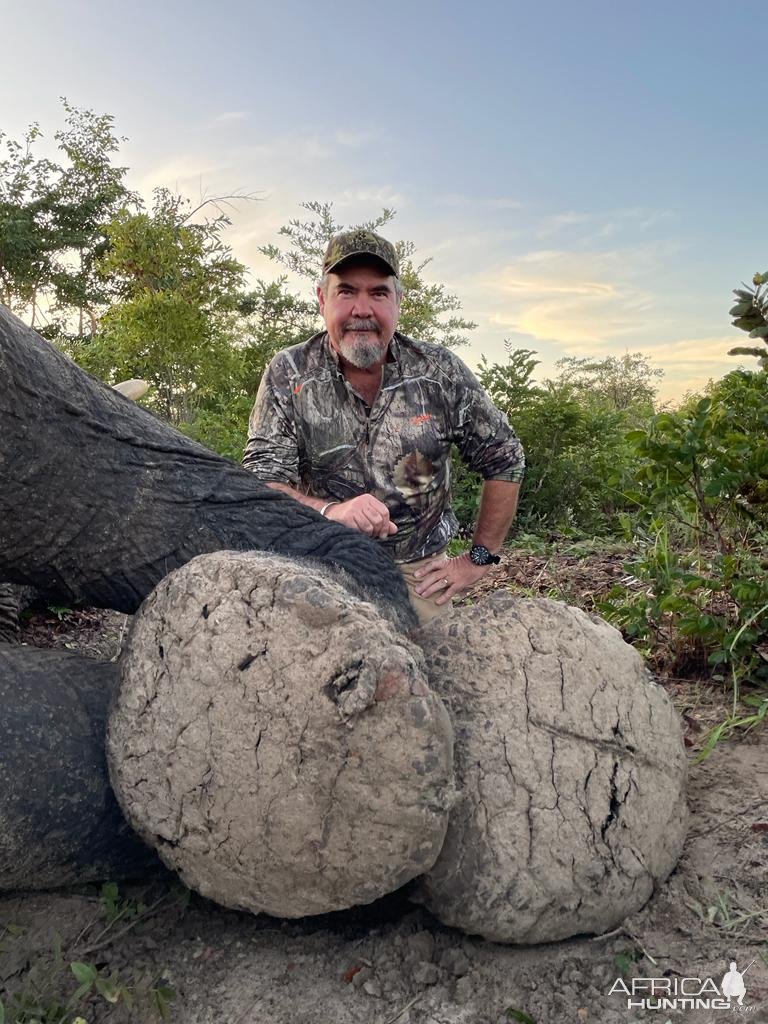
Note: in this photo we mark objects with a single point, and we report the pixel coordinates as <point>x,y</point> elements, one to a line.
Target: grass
<point>58,985</point>
<point>676,657</point>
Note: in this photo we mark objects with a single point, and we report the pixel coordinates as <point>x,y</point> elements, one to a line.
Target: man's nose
<point>363,307</point>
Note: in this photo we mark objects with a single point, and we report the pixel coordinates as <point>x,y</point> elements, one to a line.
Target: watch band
<point>480,555</point>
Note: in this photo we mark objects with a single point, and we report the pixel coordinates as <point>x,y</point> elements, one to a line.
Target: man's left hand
<point>445,578</point>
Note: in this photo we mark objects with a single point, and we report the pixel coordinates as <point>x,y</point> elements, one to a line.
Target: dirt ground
<point>391,963</point>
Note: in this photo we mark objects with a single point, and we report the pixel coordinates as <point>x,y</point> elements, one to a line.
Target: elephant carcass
<point>100,499</point>
<point>275,739</point>
<point>571,767</point>
<point>59,821</point>
<point>14,599</point>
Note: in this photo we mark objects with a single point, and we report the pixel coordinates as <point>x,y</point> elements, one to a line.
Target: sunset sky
<point>588,178</point>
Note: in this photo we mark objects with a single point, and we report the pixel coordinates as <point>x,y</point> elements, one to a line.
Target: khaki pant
<point>425,607</point>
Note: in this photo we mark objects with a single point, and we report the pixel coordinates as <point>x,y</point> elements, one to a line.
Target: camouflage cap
<point>360,242</point>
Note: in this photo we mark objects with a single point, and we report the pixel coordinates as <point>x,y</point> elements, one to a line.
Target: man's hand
<point>448,577</point>
<point>364,513</point>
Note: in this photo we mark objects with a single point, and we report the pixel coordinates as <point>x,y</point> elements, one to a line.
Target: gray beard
<point>362,354</point>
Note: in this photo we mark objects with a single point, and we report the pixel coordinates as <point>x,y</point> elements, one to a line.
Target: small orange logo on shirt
<point>418,420</point>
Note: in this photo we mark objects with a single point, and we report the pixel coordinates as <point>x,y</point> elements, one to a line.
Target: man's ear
<point>321,300</point>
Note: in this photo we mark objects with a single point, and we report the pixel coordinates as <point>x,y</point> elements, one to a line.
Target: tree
<point>276,318</point>
<point>27,234</point>
<point>429,312</point>
<point>618,382</point>
<point>177,288</point>
<point>751,315</point>
<point>52,222</point>
<point>706,464</point>
<point>89,192</point>
<point>273,318</point>
<point>510,384</point>
<point>573,434</point>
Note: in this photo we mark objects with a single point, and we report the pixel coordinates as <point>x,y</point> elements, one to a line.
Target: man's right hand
<point>364,513</point>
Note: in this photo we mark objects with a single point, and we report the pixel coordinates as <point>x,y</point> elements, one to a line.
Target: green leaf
<point>751,700</point>
<point>109,891</point>
<point>742,351</point>
<point>519,1016</point>
<point>635,496</point>
<point>746,323</point>
<point>163,996</point>
<point>759,332</point>
<point>664,421</point>
<point>84,973</point>
<point>108,988</point>
<point>81,991</point>
<point>623,962</point>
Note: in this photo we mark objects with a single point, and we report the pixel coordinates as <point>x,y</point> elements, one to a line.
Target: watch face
<point>480,555</point>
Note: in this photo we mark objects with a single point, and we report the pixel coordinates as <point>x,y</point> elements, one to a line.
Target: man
<point>358,423</point>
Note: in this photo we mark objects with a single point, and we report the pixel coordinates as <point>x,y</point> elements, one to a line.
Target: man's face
<point>360,308</point>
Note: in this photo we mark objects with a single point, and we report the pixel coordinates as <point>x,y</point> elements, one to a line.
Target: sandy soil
<point>391,963</point>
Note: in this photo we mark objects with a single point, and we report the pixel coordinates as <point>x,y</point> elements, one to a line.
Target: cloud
<point>570,298</point>
<point>190,174</point>
<point>232,115</point>
<point>381,195</point>
<point>690,363</point>
<point>555,223</point>
<point>695,353</point>
<point>353,139</point>
<point>457,200</point>
<point>605,224</point>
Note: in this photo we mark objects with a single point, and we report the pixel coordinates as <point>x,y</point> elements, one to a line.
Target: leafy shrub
<point>751,315</point>
<point>577,456</point>
<point>706,465</point>
<point>703,480</point>
<point>697,612</point>
<point>223,429</point>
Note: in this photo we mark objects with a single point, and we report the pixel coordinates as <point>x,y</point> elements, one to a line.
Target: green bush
<point>224,429</point>
<point>701,524</point>
<point>577,456</point>
<point>697,612</point>
<point>706,465</point>
<point>577,459</point>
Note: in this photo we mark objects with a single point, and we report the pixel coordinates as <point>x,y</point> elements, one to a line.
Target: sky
<point>588,178</point>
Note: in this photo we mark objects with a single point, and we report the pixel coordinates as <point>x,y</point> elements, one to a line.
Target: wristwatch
<point>482,556</point>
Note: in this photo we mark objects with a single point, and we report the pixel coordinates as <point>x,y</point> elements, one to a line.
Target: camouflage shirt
<point>310,429</point>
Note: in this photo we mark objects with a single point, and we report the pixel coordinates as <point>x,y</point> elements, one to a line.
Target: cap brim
<point>362,252</point>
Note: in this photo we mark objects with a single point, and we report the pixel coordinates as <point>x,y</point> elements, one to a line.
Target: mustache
<point>355,324</point>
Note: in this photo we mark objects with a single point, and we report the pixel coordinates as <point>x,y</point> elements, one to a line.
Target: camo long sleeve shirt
<point>310,429</point>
